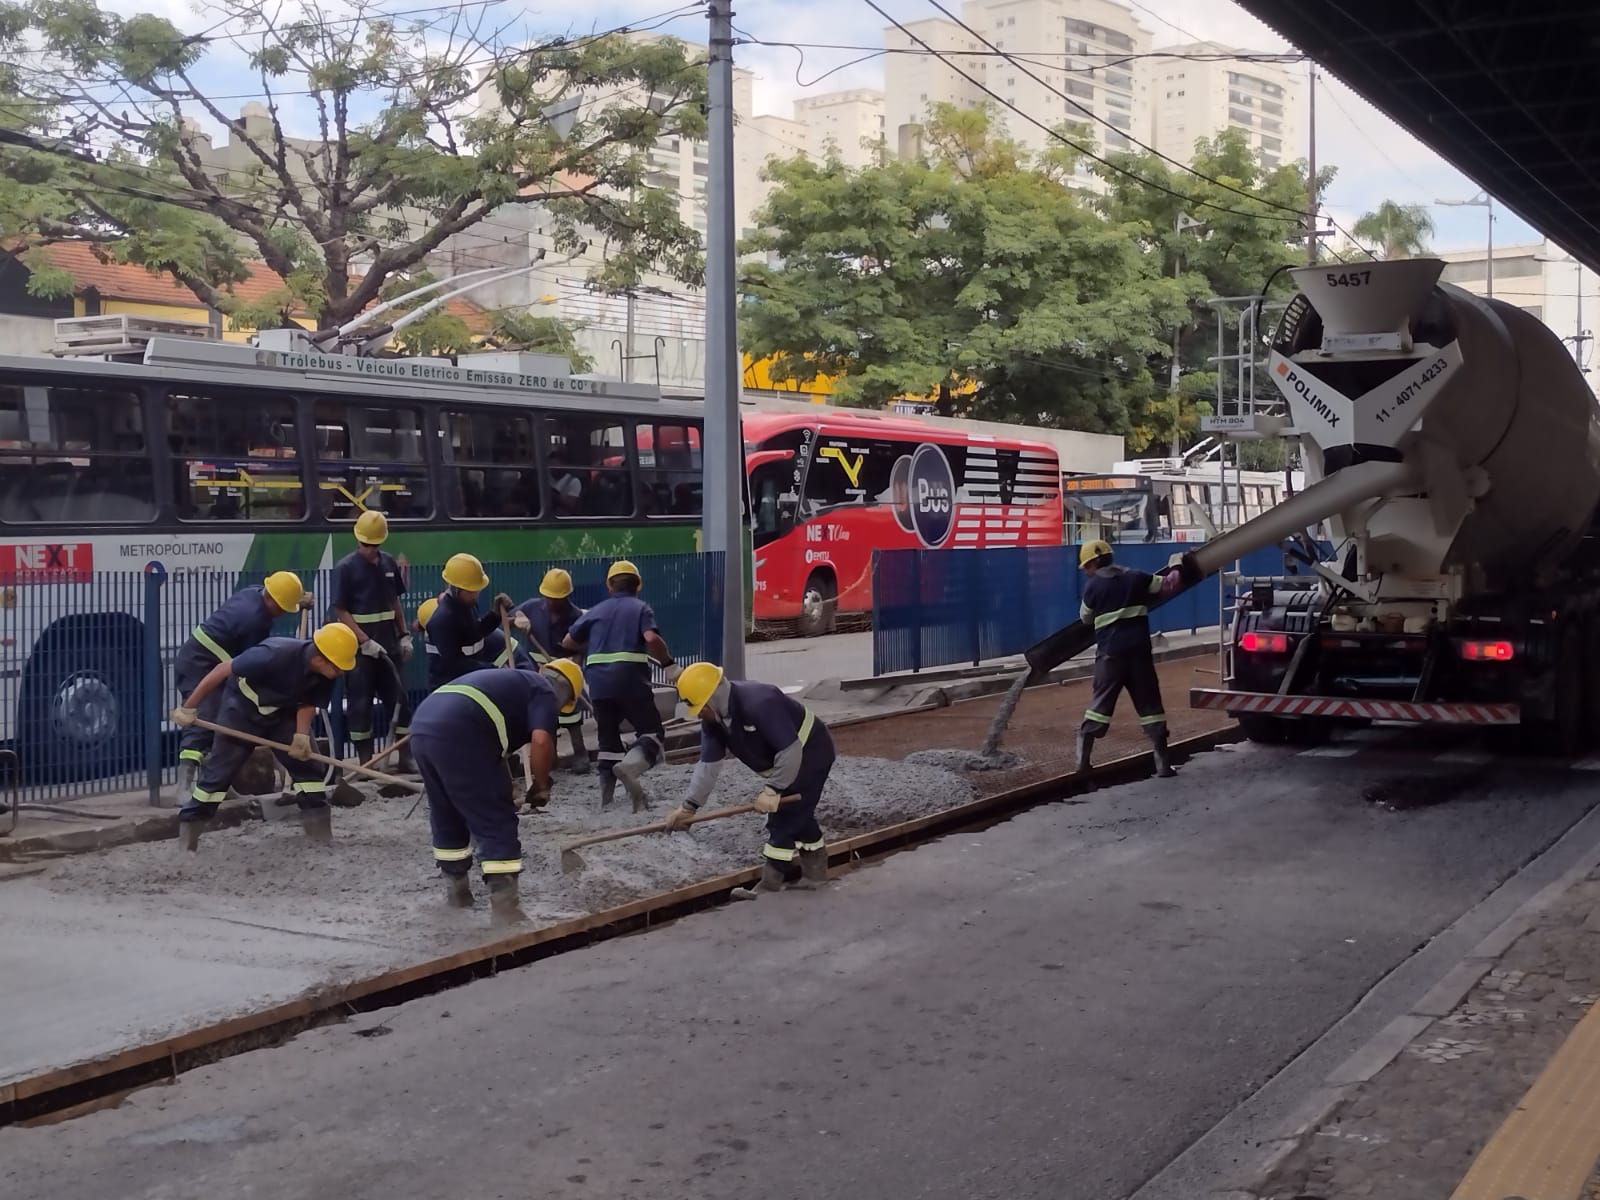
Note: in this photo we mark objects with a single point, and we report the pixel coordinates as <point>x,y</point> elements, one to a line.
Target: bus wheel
<point>817,604</point>
<point>81,710</point>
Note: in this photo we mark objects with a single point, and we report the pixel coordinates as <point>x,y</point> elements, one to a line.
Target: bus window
<point>490,469</point>
<point>74,456</point>
<point>234,456</point>
<point>669,470</point>
<point>852,470</point>
<point>774,487</point>
<point>370,458</point>
<point>586,460</point>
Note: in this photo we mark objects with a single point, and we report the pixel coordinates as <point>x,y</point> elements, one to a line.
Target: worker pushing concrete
<point>1116,601</point>
<point>367,586</point>
<point>618,638</point>
<point>272,690</point>
<point>460,639</point>
<point>776,736</point>
<point>244,620</point>
<point>546,620</point>
<point>463,733</point>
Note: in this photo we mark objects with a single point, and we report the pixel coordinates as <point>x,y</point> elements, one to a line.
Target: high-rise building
<point>756,141</point>
<point>851,124</point>
<point>1207,87</point>
<point>914,80</point>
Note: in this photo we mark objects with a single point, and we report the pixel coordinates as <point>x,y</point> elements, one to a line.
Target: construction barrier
<point>934,608</point>
<point>87,677</point>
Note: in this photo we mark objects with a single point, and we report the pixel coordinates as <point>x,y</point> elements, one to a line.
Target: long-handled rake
<point>572,861</point>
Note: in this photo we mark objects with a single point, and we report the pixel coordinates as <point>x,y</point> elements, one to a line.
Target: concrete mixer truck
<point>1453,448</point>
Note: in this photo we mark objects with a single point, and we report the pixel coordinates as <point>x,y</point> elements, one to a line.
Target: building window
<point>1271,109</point>
<point>1116,140</point>
<point>73,456</point>
<point>1239,117</point>
<point>1084,91</point>
<point>490,465</point>
<point>235,456</point>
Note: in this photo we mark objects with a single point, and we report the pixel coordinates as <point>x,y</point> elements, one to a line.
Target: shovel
<point>409,786</point>
<point>572,861</point>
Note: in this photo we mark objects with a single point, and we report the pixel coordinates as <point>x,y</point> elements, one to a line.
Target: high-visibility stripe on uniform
<point>575,717</point>
<point>250,694</point>
<point>780,853</point>
<point>1155,585</point>
<point>618,656</point>
<point>1092,715</point>
<point>500,866</point>
<point>819,844</point>
<point>483,702</point>
<point>1159,718</point>
<point>449,854</point>
<point>1121,614</point>
<point>504,657</point>
<point>475,648</point>
<point>1085,613</point>
<point>209,797</point>
<point>309,785</point>
<point>192,755</point>
<point>805,726</point>
<point>372,618</point>
<point>211,644</point>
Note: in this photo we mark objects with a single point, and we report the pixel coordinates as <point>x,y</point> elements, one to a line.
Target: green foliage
<point>395,151</point>
<point>1395,230</point>
<point>974,275</point>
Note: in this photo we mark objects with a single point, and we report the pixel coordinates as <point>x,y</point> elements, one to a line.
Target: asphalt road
<point>1054,1007</point>
<point>794,662</point>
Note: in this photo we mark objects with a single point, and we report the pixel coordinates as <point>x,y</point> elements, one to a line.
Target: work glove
<point>519,793</point>
<point>671,672</point>
<point>678,818</point>
<point>300,747</point>
<point>405,648</point>
<point>520,620</point>
<point>371,648</point>
<point>539,798</point>
<point>184,716</point>
<point>308,600</point>
<point>768,800</point>
<point>503,603</point>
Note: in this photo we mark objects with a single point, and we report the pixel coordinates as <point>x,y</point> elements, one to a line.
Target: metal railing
<point>86,661</point>
<point>933,608</point>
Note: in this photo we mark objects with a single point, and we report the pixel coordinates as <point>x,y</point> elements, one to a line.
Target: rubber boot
<point>189,835</point>
<point>188,769</point>
<point>458,891</point>
<point>504,905</point>
<point>580,753</point>
<point>362,750</point>
<point>317,823</point>
<point>404,764</point>
<point>813,868</point>
<point>1085,752</point>
<point>634,764</point>
<point>608,788</point>
<point>1163,759</point>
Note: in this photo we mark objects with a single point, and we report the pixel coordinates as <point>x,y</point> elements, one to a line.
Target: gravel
<point>966,760</point>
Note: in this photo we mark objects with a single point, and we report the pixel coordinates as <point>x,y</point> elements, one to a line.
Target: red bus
<point>828,489</point>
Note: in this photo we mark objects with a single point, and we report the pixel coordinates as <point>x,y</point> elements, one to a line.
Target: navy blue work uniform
<point>461,640</point>
<point>369,593</point>
<point>616,668</point>
<point>762,721</point>
<point>547,628</point>
<point>462,734</point>
<point>241,622</point>
<point>269,685</point>
<point>1116,601</point>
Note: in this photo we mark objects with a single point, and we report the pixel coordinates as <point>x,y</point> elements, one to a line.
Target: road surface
<point>794,662</point>
<point>1058,1006</point>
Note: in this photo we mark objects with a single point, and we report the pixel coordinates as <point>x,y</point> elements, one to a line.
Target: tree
<point>1395,230</point>
<point>974,275</point>
<point>418,133</point>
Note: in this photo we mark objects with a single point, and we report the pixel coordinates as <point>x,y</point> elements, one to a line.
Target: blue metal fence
<point>86,681</point>
<point>932,608</point>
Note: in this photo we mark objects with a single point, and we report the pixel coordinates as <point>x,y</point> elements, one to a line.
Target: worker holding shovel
<point>545,621</point>
<point>460,638</point>
<point>270,691</point>
<point>462,734</point>
<point>776,736</point>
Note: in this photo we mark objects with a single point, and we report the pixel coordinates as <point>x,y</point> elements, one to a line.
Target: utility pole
<point>723,463</point>
<point>1311,174</point>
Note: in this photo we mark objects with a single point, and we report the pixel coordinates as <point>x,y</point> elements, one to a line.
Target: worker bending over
<point>1116,601</point>
<point>367,586</point>
<point>272,690</point>
<point>776,736</point>
<point>244,619</point>
<point>545,621</point>
<point>618,638</point>
<point>463,733</point>
<point>460,639</point>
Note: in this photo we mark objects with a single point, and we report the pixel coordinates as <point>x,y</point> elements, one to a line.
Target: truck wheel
<point>817,604</point>
<point>1564,733</point>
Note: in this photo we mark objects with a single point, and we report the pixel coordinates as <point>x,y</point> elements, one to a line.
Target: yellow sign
<point>851,469</point>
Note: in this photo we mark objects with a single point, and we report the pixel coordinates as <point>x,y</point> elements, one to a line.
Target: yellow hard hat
<point>285,590</point>
<point>572,673</point>
<point>425,610</point>
<point>372,528</point>
<point>1090,551</point>
<point>697,683</point>
<point>557,584</point>
<point>623,567</point>
<point>337,643</point>
<point>465,572</point>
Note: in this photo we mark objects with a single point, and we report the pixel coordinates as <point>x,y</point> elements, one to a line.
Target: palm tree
<point>1396,230</point>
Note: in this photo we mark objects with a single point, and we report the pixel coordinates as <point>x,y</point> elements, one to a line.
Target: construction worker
<point>545,621</point>
<point>244,619</point>
<point>463,733</point>
<point>776,736</point>
<point>618,638</point>
<point>272,690</point>
<point>1116,601</point>
<point>459,639</point>
<point>367,586</point>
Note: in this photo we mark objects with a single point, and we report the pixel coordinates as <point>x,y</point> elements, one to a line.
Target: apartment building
<point>914,80</point>
<point>851,124</point>
<point>1206,87</point>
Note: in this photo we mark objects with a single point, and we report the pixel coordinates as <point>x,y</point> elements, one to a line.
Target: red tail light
<point>1487,651</point>
<point>1256,642</point>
